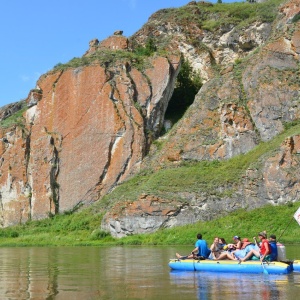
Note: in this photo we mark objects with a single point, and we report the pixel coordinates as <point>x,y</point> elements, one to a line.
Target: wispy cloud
<point>131,3</point>
<point>25,78</point>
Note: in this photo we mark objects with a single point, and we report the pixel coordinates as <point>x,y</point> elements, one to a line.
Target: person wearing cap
<point>264,249</point>
<point>273,245</point>
<point>236,245</point>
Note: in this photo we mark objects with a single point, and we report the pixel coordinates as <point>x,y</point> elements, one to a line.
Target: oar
<point>264,269</point>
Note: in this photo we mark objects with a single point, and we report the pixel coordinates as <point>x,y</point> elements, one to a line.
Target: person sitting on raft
<point>264,249</point>
<point>235,246</point>
<point>222,243</point>
<point>247,246</point>
<point>273,245</point>
<point>215,248</point>
<point>238,243</point>
<point>201,250</point>
<point>233,254</point>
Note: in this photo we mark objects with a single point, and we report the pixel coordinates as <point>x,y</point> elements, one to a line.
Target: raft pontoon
<point>296,265</point>
<point>235,266</point>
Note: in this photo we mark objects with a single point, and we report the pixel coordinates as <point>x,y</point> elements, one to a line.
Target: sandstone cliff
<point>89,126</point>
<point>85,131</point>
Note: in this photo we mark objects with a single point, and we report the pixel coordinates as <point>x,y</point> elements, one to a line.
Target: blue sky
<point>37,34</point>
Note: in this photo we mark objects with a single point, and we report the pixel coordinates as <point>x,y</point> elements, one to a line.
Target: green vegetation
<point>149,49</point>
<point>205,15</point>
<point>83,229</point>
<point>211,17</point>
<point>241,14</point>
<point>188,83</point>
<point>15,119</point>
<point>274,219</point>
<point>192,176</point>
<point>138,57</point>
<point>106,58</point>
<point>296,18</point>
<point>289,125</point>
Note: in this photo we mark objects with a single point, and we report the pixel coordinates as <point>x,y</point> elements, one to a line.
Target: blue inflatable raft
<point>296,265</point>
<point>230,266</point>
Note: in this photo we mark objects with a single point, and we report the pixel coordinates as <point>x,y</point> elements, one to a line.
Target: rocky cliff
<point>89,126</point>
<point>85,131</point>
<point>255,94</point>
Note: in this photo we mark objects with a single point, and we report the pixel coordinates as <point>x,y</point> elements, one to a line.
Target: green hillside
<point>82,229</point>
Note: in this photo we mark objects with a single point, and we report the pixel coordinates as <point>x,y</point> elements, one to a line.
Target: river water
<point>88,273</point>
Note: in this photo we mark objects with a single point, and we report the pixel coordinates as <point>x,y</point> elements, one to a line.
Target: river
<point>89,273</point>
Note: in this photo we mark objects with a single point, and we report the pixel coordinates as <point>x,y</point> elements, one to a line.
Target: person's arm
<point>239,245</point>
<point>213,250</point>
<point>255,242</point>
<point>194,251</point>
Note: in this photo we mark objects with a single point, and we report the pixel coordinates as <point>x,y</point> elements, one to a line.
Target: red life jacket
<point>263,248</point>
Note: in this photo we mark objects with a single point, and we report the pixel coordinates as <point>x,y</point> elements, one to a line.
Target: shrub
<point>98,234</point>
<point>14,234</point>
<point>188,83</point>
<point>15,119</point>
<point>149,49</point>
<point>296,18</point>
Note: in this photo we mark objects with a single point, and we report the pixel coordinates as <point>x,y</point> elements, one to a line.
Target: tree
<point>149,48</point>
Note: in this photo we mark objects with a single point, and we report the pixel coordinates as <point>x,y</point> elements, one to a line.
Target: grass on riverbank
<point>82,229</point>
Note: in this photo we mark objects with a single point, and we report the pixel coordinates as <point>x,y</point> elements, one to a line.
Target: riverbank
<point>83,229</point>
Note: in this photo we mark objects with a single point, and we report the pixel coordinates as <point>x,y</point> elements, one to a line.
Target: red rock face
<point>14,191</point>
<point>115,42</point>
<point>291,8</point>
<point>280,174</point>
<point>85,135</point>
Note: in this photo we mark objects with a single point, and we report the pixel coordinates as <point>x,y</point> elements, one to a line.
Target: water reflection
<point>125,273</point>
<point>238,286</point>
<point>84,273</point>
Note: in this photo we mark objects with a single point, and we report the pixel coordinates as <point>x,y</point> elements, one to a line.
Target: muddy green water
<point>128,273</point>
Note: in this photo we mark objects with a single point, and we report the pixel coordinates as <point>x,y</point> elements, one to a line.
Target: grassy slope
<point>83,229</point>
<point>197,176</point>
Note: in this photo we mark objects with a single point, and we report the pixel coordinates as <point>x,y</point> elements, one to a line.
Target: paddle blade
<point>264,269</point>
